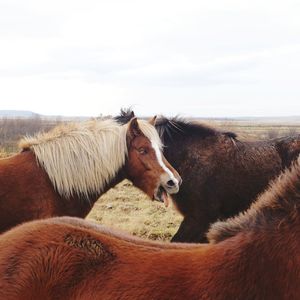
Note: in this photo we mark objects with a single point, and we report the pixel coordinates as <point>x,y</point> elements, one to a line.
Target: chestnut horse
<point>221,174</point>
<point>252,256</point>
<point>64,171</point>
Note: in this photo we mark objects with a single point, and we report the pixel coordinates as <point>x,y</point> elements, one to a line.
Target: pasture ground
<point>126,207</point>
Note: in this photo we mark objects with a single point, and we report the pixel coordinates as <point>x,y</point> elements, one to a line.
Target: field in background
<point>124,206</point>
<point>257,131</point>
<point>13,129</point>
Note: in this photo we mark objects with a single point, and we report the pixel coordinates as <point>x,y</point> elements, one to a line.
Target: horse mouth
<point>161,195</point>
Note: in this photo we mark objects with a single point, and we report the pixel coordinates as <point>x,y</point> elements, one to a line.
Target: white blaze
<point>160,161</point>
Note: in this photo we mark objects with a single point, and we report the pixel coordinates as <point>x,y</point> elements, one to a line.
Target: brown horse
<point>221,174</point>
<point>64,171</point>
<point>252,256</point>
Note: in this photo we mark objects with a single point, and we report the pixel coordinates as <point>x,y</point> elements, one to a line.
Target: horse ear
<point>133,128</point>
<point>132,115</point>
<point>152,121</point>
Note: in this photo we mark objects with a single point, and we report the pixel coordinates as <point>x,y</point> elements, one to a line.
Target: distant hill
<point>17,114</point>
<point>26,114</point>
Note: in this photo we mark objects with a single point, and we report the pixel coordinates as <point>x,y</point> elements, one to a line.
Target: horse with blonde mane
<point>64,171</point>
<point>252,256</point>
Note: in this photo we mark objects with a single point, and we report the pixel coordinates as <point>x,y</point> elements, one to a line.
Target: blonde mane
<point>82,158</point>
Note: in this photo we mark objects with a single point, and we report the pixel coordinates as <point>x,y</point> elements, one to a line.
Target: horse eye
<point>142,151</point>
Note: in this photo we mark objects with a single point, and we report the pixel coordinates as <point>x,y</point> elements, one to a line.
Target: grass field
<point>125,207</point>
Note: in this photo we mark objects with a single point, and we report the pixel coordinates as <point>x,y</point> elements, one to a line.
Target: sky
<point>194,58</point>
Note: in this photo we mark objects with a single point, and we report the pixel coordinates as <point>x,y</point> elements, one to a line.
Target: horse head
<point>146,166</point>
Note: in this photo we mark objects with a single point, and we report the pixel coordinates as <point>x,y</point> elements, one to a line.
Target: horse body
<point>221,177</point>
<point>65,171</point>
<point>51,267</point>
<point>252,256</point>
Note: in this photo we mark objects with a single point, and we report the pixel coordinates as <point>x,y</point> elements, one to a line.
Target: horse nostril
<point>170,183</point>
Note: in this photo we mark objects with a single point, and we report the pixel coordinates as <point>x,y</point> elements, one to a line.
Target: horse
<point>64,171</point>
<point>221,174</point>
<point>254,255</point>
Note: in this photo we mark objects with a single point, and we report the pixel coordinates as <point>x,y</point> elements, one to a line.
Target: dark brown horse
<point>64,171</point>
<point>252,256</point>
<point>221,174</point>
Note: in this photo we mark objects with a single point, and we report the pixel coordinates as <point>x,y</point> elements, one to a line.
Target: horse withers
<point>252,256</point>
<point>64,171</point>
<point>221,174</point>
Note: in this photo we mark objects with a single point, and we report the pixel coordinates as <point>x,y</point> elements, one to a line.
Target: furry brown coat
<point>253,256</point>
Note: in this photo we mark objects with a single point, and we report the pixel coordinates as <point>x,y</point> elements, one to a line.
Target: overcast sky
<point>194,58</point>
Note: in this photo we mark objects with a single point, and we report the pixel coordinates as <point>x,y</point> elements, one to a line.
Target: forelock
<point>150,132</point>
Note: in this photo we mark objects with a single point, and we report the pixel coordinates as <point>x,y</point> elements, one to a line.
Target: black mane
<point>171,127</point>
<point>126,114</point>
<point>168,128</point>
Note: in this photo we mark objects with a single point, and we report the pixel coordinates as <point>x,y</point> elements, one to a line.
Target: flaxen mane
<point>280,203</point>
<point>81,158</point>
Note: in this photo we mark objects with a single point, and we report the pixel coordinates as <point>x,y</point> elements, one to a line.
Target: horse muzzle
<point>166,188</point>
<point>171,184</point>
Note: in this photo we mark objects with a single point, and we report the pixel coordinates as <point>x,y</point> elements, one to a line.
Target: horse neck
<point>87,204</point>
<point>234,264</point>
<point>250,256</point>
<point>179,149</point>
<point>120,176</point>
<point>85,174</point>
<point>27,160</point>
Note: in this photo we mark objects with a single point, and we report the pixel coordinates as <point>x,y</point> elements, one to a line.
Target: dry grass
<point>257,131</point>
<point>125,207</point>
<point>4,153</point>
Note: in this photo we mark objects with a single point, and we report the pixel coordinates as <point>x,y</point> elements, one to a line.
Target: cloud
<point>139,52</point>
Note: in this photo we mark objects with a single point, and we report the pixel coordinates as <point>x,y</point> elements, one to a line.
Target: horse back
<point>225,172</point>
<point>63,259</point>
